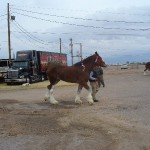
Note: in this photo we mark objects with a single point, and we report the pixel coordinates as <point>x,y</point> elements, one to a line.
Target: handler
<point>96,79</point>
<point>100,77</point>
<point>94,83</point>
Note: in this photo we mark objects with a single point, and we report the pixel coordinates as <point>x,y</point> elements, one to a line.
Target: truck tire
<point>9,83</point>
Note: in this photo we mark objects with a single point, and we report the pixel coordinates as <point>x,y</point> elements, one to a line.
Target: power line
<point>88,33</point>
<point>85,11</point>
<point>32,36</point>
<point>28,42</point>
<point>27,36</point>
<point>77,18</point>
<point>86,26</point>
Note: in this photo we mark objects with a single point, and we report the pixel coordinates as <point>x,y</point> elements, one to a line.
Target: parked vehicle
<point>124,66</point>
<point>31,65</point>
<point>4,66</point>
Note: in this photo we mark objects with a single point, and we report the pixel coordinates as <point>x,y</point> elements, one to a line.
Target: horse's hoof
<point>78,102</point>
<point>54,103</point>
<point>45,98</point>
<point>91,103</point>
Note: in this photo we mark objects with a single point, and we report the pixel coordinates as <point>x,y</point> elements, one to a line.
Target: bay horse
<point>77,73</point>
<point>147,67</point>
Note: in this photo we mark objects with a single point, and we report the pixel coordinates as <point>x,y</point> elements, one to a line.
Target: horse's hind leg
<point>77,99</point>
<point>89,97</point>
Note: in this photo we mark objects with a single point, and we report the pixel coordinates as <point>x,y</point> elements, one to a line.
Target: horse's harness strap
<point>83,66</point>
<point>96,59</point>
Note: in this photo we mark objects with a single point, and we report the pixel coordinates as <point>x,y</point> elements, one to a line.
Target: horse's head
<point>99,61</point>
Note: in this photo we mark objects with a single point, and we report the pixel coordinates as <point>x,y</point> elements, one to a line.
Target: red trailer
<point>45,57</point>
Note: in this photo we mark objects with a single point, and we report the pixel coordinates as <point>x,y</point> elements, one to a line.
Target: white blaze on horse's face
<point>99,61</point>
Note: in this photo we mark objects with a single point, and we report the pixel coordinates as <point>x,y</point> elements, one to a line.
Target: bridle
<point>83,66</point>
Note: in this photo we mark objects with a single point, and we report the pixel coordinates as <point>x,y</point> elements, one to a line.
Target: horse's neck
<point>88,67</point>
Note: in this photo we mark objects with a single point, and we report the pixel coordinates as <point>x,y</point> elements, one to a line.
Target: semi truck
<point>31,65</point>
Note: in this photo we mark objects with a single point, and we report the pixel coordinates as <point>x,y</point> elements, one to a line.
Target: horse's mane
<point>84,61</point>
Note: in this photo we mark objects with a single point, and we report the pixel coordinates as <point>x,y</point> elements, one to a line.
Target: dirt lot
<point>119,121</point>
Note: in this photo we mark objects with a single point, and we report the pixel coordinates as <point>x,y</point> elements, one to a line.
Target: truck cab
<point>24,68</point>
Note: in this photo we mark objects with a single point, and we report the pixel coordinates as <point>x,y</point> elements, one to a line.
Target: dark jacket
<point>93,76</point>
<point>99,71</point>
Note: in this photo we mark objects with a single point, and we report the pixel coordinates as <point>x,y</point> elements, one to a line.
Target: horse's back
<point>52,65</point>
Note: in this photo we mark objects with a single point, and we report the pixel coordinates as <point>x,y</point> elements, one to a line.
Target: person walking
<point>100,78</point>
<point>94,83</point>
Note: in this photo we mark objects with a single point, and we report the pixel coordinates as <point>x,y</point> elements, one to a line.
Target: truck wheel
<point>8,83</point>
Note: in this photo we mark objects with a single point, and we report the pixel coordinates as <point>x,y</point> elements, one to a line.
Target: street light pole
<point>60,44</point>
<point>71,50</point>
<point>80,50</point>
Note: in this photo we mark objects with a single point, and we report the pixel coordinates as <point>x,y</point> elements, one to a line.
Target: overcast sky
<point>119,30</point>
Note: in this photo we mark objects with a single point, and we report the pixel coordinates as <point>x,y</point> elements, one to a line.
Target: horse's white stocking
<point>77,99</point>
<point>51,98</point>
<point>144,73</point>
<point>47,95</point>
<point>89,98</point>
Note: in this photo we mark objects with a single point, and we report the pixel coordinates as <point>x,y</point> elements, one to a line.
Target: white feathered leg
<point>47,95</point>
<point>77,99</point>
<point>52,99</point>
<point>89,97</point>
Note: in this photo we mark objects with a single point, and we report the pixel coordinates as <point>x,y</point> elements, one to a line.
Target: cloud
<point>113,32</point>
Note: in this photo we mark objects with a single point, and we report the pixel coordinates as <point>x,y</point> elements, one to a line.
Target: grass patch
<point>34,85</point>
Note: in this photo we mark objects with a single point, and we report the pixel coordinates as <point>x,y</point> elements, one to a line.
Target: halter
<point>96,59</point>
<point>83,66</point>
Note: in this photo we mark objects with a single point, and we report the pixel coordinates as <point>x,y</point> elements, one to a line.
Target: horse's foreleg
<point>49,95</point>
<point>89,97</point>
<point>77,99</point>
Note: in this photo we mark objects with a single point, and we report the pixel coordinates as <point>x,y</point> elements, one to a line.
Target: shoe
<point>95,100</point>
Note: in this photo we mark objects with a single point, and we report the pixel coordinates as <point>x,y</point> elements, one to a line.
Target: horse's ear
<point>96,53</point>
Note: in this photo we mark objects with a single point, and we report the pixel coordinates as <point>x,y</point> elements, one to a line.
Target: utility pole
<point>9,44</point>
<point>81,51</point>
<point>71,50</point>
<point>60,44</point>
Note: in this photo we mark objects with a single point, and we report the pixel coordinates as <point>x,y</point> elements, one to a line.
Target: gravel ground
<point>119,121</point>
